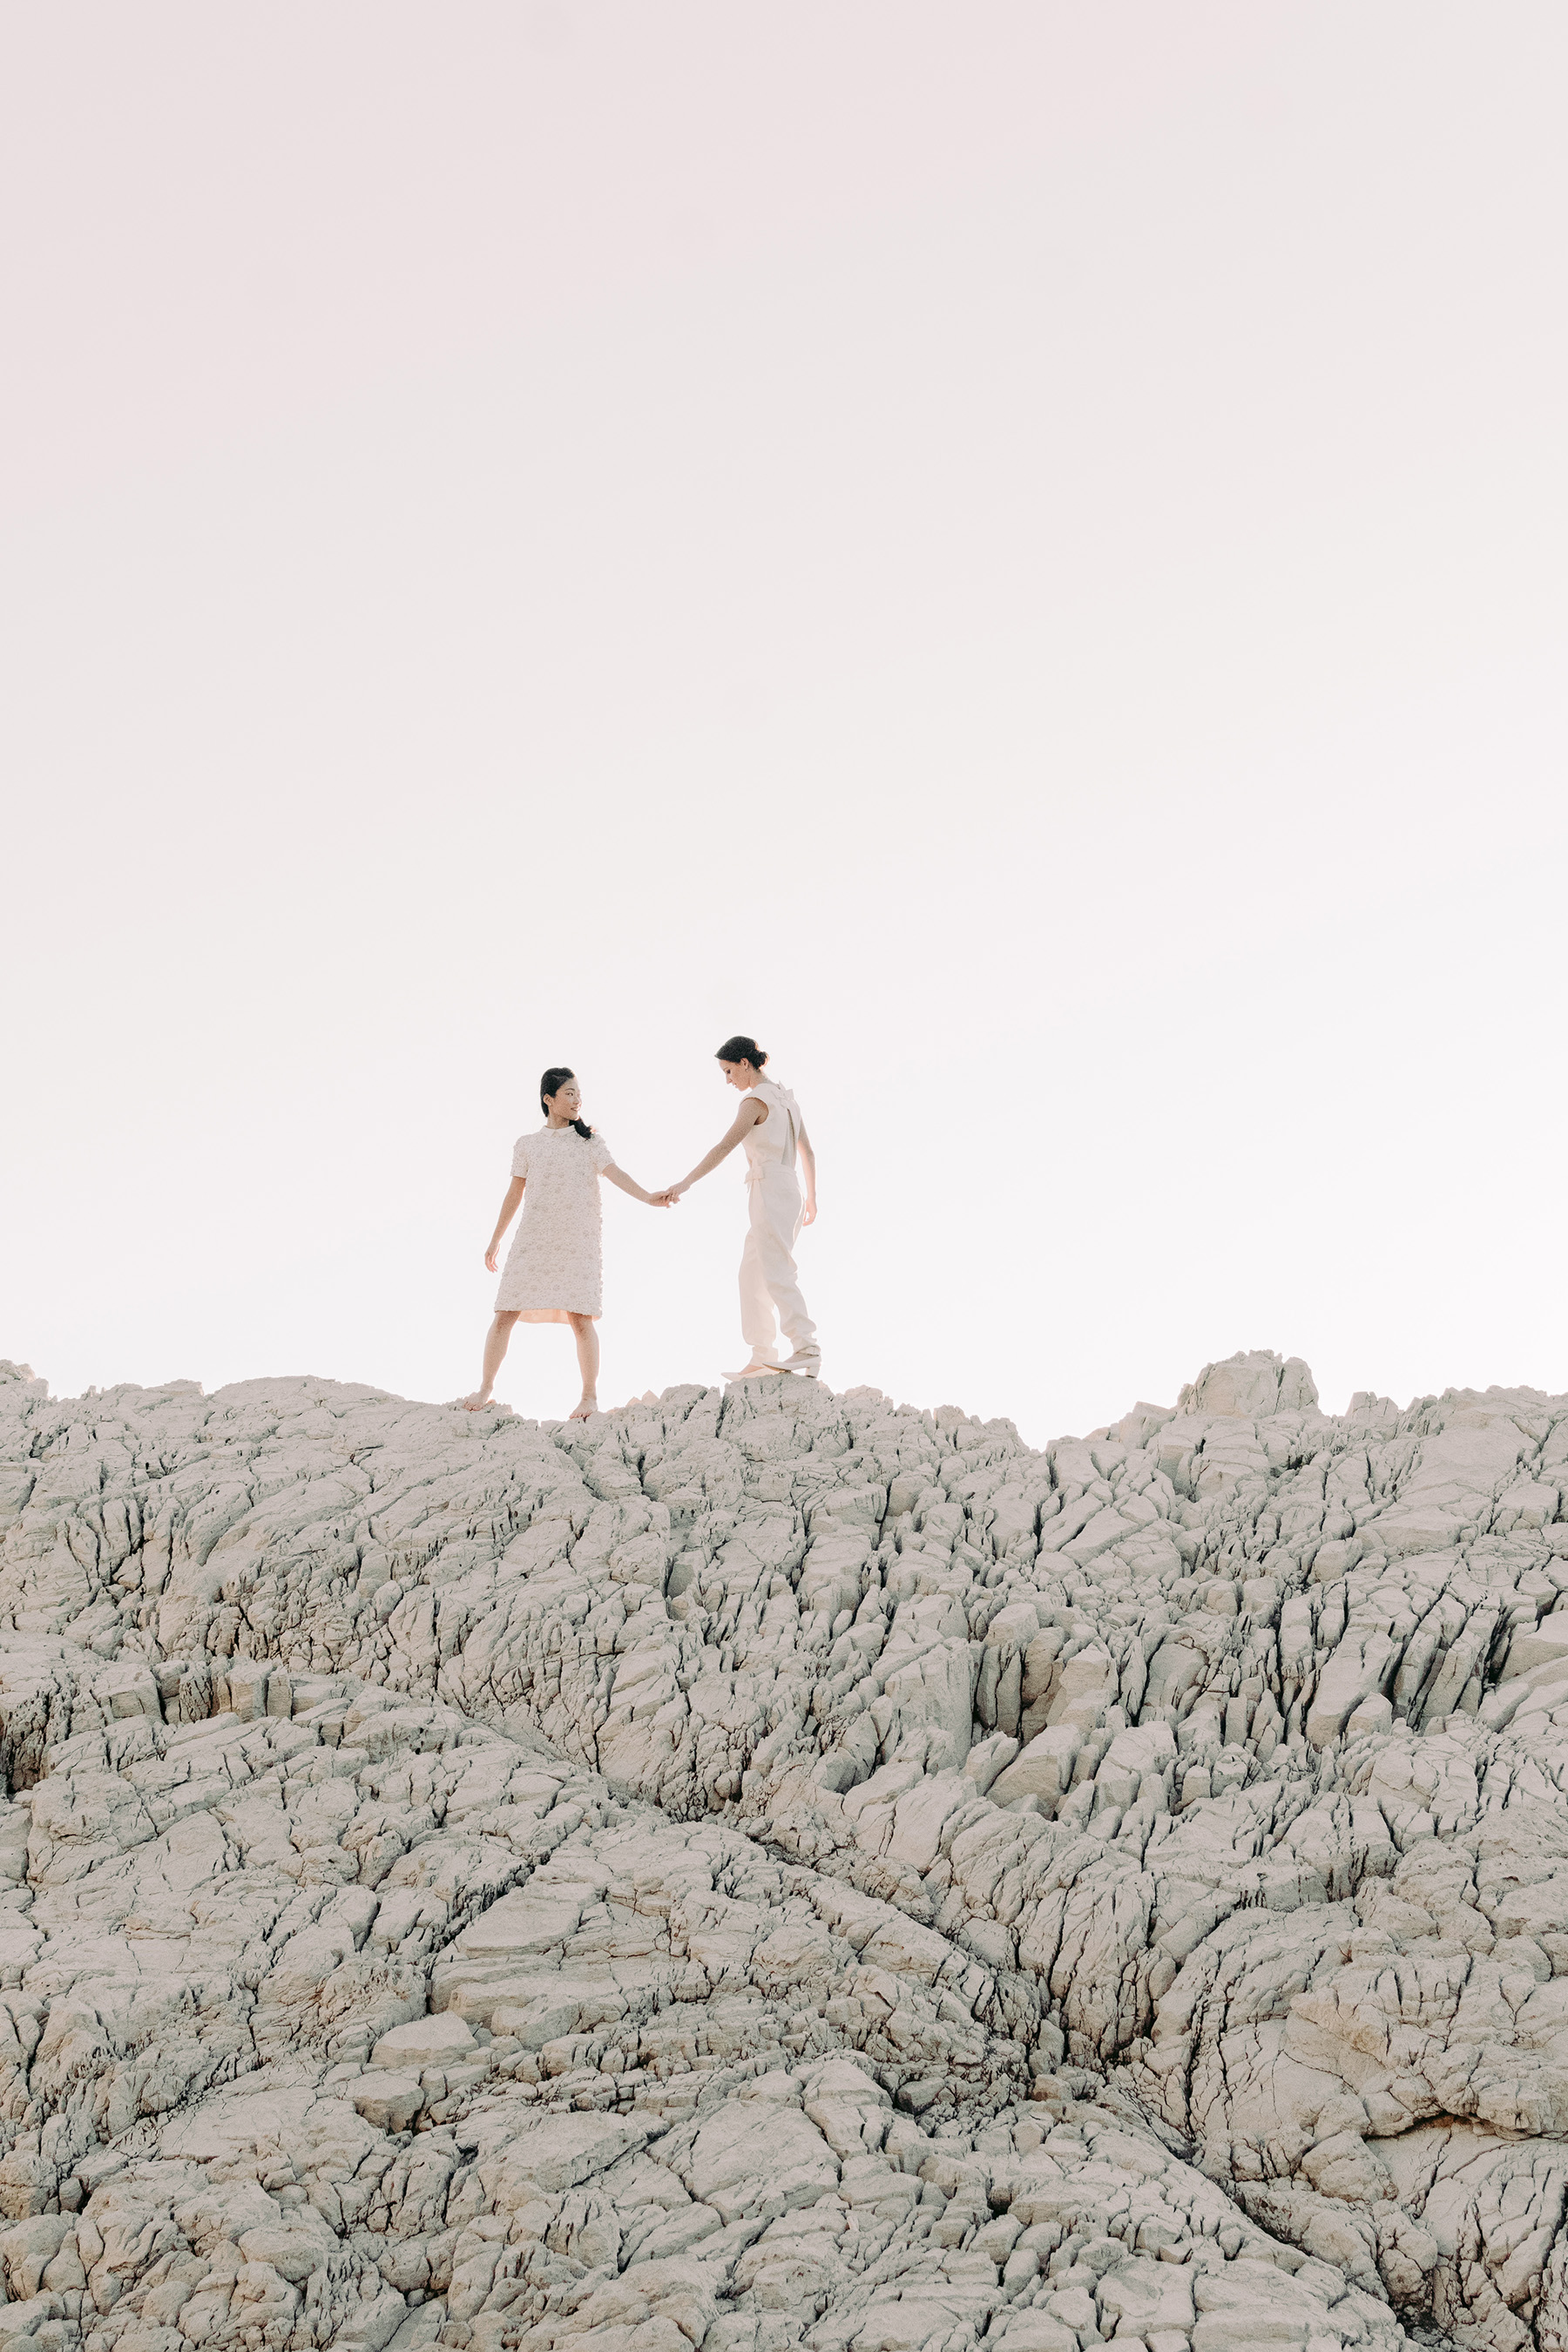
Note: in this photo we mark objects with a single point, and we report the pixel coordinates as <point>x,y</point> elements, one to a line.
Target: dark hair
<point>741,1049</point>
<point>550,1084</point>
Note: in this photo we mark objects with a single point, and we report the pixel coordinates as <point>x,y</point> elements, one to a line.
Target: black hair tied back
<point>550,1084</point>
<point>741,1049</point>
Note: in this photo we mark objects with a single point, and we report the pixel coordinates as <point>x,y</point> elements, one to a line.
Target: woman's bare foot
<point>478,1402</point>
<point>585,1410</point>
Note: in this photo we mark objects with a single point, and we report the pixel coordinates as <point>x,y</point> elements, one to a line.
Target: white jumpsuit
<point>768,1276</point>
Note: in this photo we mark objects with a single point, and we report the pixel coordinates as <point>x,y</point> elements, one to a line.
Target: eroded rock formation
<point>772,1868</point>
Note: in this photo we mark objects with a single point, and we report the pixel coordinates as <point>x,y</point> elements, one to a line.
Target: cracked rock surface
<point>769,1868</point>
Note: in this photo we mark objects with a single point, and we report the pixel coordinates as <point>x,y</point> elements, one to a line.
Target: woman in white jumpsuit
<point>769,1124</point>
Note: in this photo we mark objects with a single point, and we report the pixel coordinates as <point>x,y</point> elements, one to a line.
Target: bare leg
<point>496,1338</point>
<point>585,1332</point>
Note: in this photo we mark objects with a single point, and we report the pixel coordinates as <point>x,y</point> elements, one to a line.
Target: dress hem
<point>549,1314</point>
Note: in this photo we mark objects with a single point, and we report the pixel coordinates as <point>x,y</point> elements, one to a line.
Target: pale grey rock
<point>387,2099</point>
<point>1043,1769</point>
<point>442,2040</point>
<point>778,1869</point>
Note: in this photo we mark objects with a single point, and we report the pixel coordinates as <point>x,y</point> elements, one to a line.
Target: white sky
<point>1015,551</point>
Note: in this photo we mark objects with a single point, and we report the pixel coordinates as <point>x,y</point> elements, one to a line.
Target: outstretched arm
<point>508,1212</point>
<point>746,1118</point>
<point>629,1184</point>
<point>807,1159</point>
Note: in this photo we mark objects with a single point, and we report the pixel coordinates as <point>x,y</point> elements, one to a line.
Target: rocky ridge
<point>769,1868</point>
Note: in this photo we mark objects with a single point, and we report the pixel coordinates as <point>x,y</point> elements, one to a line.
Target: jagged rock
<point>773,1868</point>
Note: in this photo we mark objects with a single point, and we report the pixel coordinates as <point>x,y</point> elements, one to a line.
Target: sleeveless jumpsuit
<point>768,1276</point>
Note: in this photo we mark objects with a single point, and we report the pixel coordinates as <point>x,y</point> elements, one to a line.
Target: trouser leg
<point>775,1222</point>
<point>757,1322</point>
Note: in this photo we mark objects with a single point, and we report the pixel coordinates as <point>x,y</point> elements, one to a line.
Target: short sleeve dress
<point>555,1265</point>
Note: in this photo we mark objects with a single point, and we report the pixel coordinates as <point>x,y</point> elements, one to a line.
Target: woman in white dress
<point>769,1123</point>
<point>554,1269</point>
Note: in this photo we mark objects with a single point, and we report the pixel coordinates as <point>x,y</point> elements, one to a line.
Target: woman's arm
<point>746,1118</point>
<point>508,1212</point>
<point>629,1184</point>
<point>807,1159</point>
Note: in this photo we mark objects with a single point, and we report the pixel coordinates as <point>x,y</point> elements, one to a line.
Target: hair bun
<point>741,1049</point>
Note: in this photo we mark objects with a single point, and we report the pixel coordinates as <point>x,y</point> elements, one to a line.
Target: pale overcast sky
<point>1015,553</point>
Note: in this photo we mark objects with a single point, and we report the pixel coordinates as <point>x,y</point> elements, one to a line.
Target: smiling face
<point>563,1108</point>
<point>739,1074</point>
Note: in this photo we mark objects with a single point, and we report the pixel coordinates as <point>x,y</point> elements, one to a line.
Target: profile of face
<point>567,1104</point>
<point>739,1074</point>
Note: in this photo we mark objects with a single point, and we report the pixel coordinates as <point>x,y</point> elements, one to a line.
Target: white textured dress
<point>555,1265</point>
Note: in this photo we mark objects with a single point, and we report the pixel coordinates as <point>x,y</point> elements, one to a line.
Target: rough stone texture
<point>772,1868</point>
